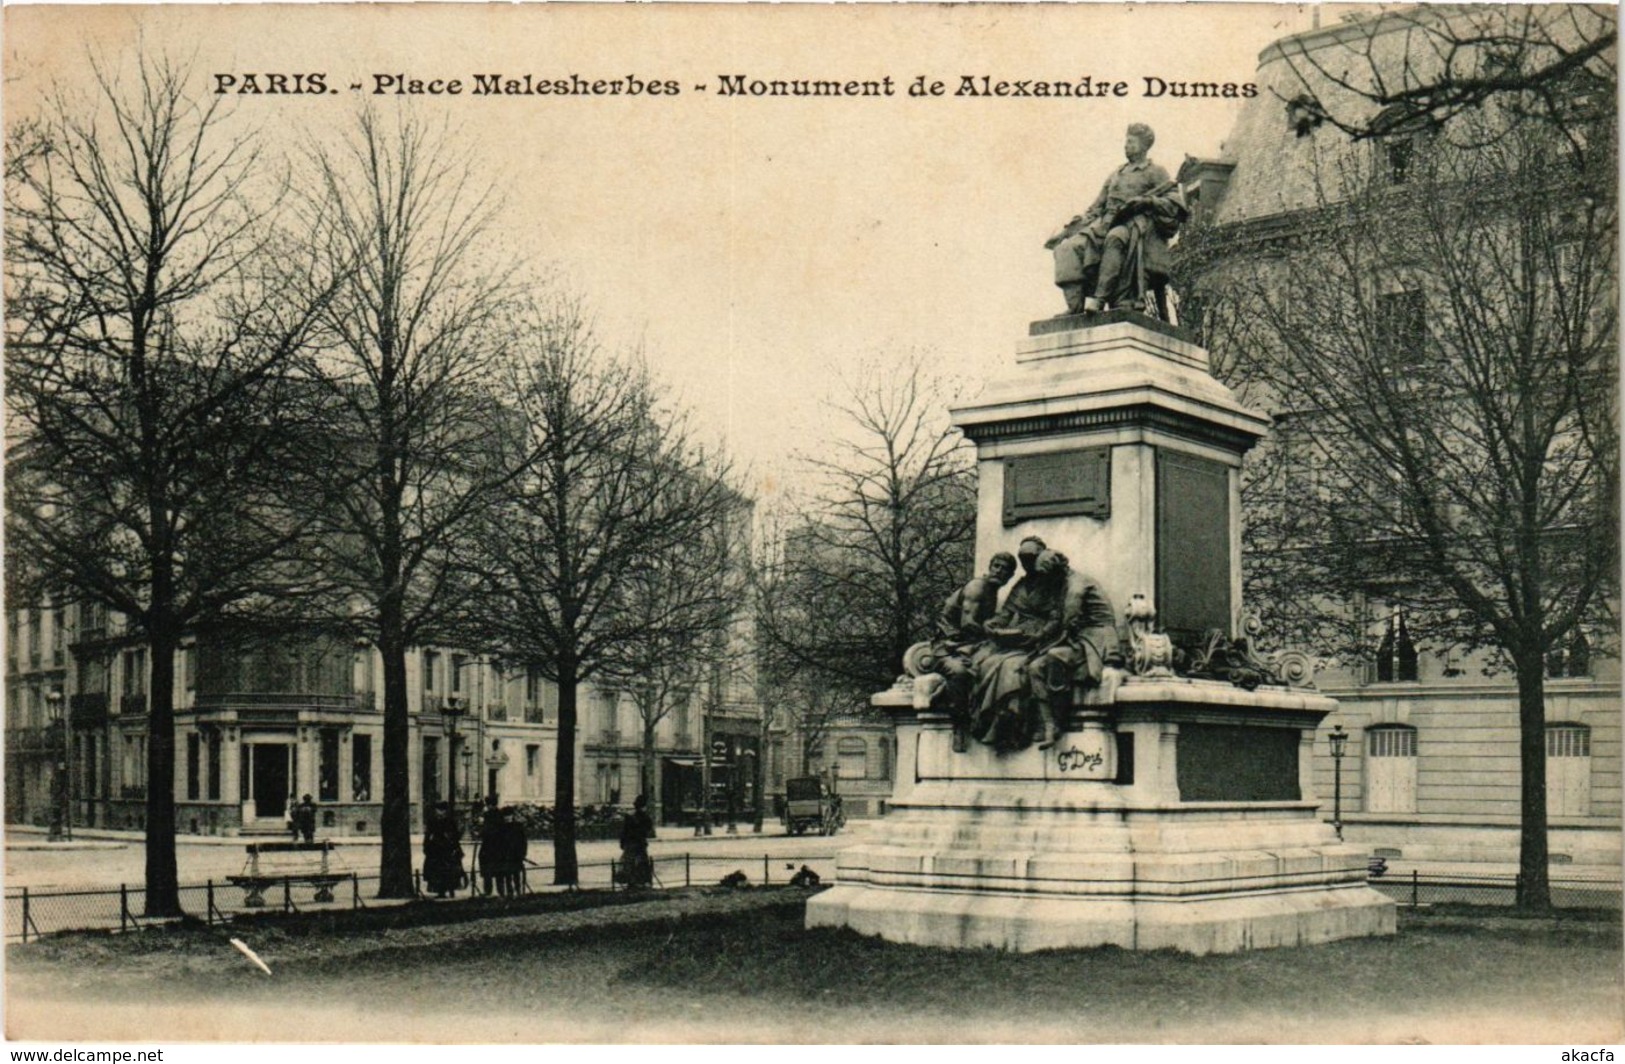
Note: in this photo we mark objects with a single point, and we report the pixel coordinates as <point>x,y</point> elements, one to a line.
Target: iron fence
<point>1418,889</point>
<point>29,913</point>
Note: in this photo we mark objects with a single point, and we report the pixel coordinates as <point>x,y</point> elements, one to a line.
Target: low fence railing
<point>1418,889</point>
<point>29,914</point>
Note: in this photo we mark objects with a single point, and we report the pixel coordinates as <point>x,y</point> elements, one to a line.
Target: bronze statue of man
<point>961,627</point>
<point>1004,714</point>
<point>1086,644</point>
<point>1104,257</point>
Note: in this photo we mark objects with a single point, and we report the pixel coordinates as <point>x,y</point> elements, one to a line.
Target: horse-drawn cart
<point>811,805</point>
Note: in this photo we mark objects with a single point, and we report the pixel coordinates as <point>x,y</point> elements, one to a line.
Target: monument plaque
<point>1221,763</point>
<point>1193,546</point>
<point>1058,485</point>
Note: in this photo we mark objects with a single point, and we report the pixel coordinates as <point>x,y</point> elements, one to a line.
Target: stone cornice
<point>1144,415</point>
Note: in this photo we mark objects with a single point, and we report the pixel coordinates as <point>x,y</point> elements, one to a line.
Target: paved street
<point>104,859</point>
<point>111,858</point>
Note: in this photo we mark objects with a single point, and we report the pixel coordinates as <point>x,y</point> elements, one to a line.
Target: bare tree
<point>412,448</point>
<point>614,486</point>
<point>1447,392</point>
<point>886,534</point>
<point>682,604</point>
<point>792,687</point>
<point>152,318</point>
<point>1423,66</point>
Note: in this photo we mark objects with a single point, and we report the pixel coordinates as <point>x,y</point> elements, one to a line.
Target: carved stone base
<point>1204,838</point>
<point>1024,924</point>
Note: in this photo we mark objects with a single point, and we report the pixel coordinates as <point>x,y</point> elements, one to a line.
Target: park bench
<point>270,863</point>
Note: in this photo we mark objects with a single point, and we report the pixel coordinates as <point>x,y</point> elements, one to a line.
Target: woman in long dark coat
<point>493,847</point>
<point>636,831</point>
<point>442,852</point>
<point>516,846</point>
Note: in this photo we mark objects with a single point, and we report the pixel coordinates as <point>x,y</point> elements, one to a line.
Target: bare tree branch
<point>155,317</point>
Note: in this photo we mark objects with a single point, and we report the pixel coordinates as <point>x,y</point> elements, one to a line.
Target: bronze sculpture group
<point>1013,671</point>
<point>1115,254</point>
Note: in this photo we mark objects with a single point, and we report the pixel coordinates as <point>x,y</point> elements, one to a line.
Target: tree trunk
<point>163,881</point>
<point>1534,884</point>
<point>704,823</point>
<point>395,826</point>
<point>647,784</point>
<point>761,775</point>
<point>565,870</point>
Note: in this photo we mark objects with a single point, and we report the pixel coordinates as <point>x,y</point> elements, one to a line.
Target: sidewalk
<point>29,837</point>
<point>676,839</point>
<point>105,858</point>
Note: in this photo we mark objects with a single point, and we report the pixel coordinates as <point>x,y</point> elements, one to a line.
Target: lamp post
<point>61,795</point>
<point>451,711</point>
<point>1340,741</point>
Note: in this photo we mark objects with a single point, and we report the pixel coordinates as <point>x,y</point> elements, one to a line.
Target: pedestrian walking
<point>443,852</point>
<point>304,818</point>
<point>492,848</point>
<point>636,831</point>
<point>515,847</point>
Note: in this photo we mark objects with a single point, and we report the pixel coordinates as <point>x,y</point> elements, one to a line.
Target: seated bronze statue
<point>1115,254</point>
<point>961,628</point>
<point>1047,644</point>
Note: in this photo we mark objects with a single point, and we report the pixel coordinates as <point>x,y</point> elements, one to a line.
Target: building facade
<point>264,719</point>
<point>853,749</point>
<point>1432,764</point>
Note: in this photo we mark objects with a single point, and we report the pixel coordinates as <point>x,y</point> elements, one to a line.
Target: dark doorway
<point>270,780</point>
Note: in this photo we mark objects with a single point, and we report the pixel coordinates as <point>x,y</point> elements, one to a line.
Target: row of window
<point>856,760</point>
<point>462,759</point>
<point>1390,769</point>
<point>1398,661</point>
<point>205,754</point>
<point>36,656</point>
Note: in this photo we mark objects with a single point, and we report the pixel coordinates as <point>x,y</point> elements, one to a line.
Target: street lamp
<point>61,796</point>
<point>452,710</point>
<point>1340,741</point>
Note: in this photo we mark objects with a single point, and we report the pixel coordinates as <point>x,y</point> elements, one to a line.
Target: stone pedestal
<point>1176,813</point>
<point>1114,443</point>
<point>1206,838</point>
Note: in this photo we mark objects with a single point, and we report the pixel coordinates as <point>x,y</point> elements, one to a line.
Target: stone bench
<point>270,863</point>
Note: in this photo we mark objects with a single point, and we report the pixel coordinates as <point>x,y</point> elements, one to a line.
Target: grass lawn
<point>717,966</point>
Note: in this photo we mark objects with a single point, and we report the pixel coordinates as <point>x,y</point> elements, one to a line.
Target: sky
<point>755,248</point>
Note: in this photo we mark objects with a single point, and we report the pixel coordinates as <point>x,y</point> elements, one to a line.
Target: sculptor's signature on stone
<point>1079,760</point>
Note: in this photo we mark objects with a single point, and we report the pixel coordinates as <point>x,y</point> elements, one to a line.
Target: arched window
<point>1568,770</point>
<point>1405,135</point>
<point>1397,660</point>
<point>852,758</point>
<point>1573,660</point>
<point>1390,769</point>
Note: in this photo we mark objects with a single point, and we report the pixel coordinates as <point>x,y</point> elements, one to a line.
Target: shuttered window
<point>1390,769</point>
<point>1392,742</point>
<point>1568,770</point>
<point>1568,740</point>
<point>851,759</point>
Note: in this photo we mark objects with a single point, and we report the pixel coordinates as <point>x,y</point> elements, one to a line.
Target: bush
<point>593,822</point>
